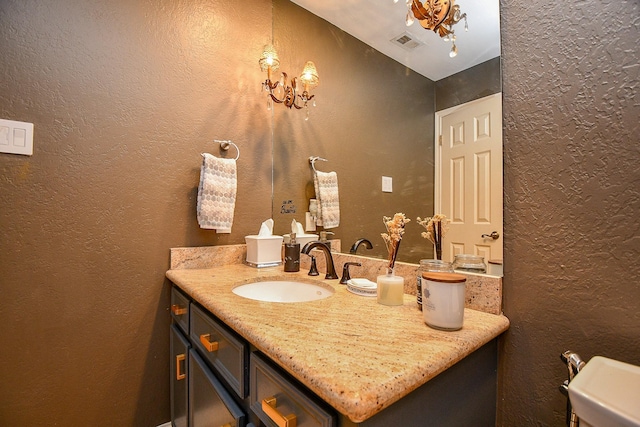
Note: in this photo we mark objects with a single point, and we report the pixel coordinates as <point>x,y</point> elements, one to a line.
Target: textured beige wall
<point>572,196</point>
<point>124,96</point>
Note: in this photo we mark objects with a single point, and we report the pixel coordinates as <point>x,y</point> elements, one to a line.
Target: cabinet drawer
<point>226,353</point>
<point>210,403</point>
<point>180,309</point>
<point>275,399</point>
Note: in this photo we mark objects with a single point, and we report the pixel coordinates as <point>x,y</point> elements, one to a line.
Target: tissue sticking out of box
<point>297,228</point>
<point>301,237</point>
<point>266,228</point>
<point>264,249</point>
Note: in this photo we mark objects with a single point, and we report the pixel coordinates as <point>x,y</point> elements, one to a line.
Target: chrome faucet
<point>331,271</point>
<point>354,248</point>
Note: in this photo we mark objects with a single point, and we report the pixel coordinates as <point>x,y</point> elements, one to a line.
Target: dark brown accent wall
<point>473,83</point>
<point>124,96</point>
<point>572,196</point>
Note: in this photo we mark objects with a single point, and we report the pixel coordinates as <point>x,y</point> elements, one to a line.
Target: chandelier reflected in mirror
<point>437,15</point>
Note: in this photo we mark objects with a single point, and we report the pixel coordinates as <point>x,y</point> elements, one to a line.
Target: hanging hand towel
<point>326,185</point>
<point>217,193</point>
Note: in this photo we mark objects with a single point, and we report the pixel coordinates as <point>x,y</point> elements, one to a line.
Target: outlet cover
<point>387,184</point>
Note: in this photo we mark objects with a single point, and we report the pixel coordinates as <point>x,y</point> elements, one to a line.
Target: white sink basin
<point>282,291</point>
<point>606,393</point>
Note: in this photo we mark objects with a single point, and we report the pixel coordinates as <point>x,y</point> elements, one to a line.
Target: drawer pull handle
<point>179,358</point>
<point>269,408</point>
<point>177,310</point>
<point>210,346</point>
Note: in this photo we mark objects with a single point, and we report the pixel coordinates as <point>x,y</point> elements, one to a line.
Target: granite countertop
<point>357,355</point>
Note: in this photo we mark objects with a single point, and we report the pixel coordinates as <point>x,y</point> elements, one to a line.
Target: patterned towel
<point>217,193</point>
<point>326,184</point>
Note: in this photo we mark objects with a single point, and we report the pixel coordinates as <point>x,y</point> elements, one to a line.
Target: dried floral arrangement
<point>436,226</point>
<point>393,236</point>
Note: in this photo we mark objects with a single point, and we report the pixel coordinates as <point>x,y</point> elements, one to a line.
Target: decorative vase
<point>390,288</point>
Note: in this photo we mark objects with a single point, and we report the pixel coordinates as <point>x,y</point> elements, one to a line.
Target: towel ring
<point>313,160</point>
<point>224,146</point>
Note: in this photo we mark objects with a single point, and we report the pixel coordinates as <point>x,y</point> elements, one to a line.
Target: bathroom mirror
<point>374,118</point>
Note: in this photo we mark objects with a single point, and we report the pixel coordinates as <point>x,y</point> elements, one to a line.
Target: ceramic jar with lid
<point>430,265</point>
<point>443,300</point>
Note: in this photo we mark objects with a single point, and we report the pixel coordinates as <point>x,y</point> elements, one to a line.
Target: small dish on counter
<point>362,287</point>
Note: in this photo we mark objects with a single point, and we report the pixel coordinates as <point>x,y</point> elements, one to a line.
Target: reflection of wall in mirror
<point>374,118</point>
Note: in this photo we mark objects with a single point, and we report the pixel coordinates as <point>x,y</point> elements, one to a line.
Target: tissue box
<point>264,251</point>
<point>303,239</point>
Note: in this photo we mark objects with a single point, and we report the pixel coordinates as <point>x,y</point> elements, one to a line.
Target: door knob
<point>494,235</point>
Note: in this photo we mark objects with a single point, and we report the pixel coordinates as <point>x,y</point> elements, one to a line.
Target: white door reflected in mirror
<point>469,174</point>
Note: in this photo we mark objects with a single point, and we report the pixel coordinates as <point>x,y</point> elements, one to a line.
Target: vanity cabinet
<point>210,375</point>
<point>198,368</point>
<point>229,382</point>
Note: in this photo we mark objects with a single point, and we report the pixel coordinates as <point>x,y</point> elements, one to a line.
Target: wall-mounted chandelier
<point>437,15</point>
<point>282,91</point>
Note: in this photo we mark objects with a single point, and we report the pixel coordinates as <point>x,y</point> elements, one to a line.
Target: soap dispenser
<point>323,238</point>
<point>292,255</point>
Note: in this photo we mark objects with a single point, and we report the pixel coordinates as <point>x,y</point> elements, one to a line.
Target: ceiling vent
<point>406,41</point>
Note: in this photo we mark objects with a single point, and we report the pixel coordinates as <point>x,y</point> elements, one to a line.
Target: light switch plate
<point>387,184</point>
<point>16,137</point>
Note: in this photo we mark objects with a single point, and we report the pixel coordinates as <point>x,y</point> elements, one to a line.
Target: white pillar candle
<point>390,289</point>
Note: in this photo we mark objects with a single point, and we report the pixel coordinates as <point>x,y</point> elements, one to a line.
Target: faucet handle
<point>345,271</point>
<point>313,271</point>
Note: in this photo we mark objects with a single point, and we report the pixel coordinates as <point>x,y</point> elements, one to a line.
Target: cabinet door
<point>210,405</point>
<point>178,368</point>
